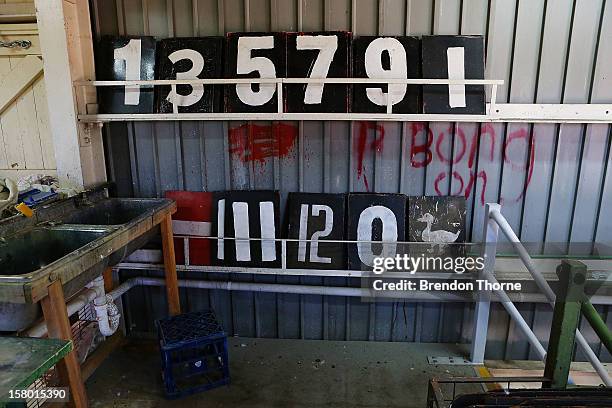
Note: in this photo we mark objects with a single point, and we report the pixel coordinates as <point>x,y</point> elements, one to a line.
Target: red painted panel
<point>192,206</point>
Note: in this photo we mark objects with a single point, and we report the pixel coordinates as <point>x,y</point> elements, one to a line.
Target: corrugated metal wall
<point>552,179</point>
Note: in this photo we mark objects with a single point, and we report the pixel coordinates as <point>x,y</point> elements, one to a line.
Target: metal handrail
<point>495,214</point>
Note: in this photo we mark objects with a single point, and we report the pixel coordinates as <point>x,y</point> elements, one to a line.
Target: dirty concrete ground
<point>285,373</point>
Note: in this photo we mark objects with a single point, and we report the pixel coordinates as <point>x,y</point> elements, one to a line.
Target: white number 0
<point>245,64</point>
<point>327,46</point>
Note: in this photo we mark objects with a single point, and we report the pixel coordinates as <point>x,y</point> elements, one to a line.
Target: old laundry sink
<point>72,241</point>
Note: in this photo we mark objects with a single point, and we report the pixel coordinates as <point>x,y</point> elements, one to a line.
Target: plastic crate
<point>194,353</point>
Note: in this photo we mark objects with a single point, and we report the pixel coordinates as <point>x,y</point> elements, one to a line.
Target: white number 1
<point>131,54</point>
<point>327,46</point>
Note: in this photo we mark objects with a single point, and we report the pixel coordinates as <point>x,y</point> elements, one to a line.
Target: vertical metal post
<point>279,96</point>
<point>174,103</point>
<point>186,251</point>
<point>572,276</point>
<point>491,111</point>
<point>481,312</point>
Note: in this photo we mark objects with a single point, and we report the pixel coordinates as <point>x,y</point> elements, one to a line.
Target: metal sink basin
<point>113,211</point>
<point>72,241</point>
<point>30,251</point>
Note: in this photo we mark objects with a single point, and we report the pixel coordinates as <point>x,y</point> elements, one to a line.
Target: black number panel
<point>254,55</point>
<point>318,55</point>
<point>387,57</point>
<point>126,58</point>
<point>190,58</point>
<point>454,57</point>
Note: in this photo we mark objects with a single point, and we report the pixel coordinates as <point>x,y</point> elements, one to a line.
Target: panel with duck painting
<point>439,221</point>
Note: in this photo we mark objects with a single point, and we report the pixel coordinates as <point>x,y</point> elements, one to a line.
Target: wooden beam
<point>17,9</point>
<point>100,354</point>
<point>58,326</point>
<point>174,304</point>
<point>18,79</point>
<point>60,93</point>
<point>108,279</point>
<point>67,50</point>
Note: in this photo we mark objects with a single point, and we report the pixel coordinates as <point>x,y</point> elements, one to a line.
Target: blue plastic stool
<point>194,353</point>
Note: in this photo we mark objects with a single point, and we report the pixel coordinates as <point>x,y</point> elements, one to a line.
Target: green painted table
<point>23,360</point>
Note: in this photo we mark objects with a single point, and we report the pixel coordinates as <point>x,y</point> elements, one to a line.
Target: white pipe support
<point>550,294</point>
<point>107,313</point>
<point>74,305</point>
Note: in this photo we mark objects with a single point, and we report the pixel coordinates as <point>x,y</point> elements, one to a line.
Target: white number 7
<point>327,46</point>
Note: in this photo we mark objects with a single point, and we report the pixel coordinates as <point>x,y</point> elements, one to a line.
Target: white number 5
<point>245,64</point>
<point>327,46</point>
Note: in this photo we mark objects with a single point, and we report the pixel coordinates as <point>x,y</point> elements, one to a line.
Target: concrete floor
<point>285,373</point>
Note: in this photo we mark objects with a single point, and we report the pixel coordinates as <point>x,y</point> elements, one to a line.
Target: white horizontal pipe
<point>550,294</point>
<point>514,297</point>
<point>273,288</point>
<point>507,112</point>
<point>76,303</point>
<point>311,290</point>
<point>230,81</point>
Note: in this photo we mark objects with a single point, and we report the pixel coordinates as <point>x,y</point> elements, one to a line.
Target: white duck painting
<point>439,237</point>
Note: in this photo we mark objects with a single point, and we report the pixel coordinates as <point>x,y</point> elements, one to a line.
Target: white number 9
<point>398,69</point>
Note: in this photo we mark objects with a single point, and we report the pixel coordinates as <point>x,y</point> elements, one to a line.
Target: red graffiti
<point>483,176</point>
<point>416,149</point>
<point>518,135</point>
<point>362,145</point>
<point>250,142</point>
<point>422,154</point>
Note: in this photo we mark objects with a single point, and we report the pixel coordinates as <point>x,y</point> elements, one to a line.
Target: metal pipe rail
<point>597,323</point>
<point>495,112</point>
<point>494,221</point>
<point>493,213</point>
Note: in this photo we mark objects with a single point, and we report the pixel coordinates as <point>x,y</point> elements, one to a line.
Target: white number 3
<point>197,64</point>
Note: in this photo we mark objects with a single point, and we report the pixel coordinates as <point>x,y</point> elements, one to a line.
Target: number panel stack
<point>316,55</point>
